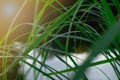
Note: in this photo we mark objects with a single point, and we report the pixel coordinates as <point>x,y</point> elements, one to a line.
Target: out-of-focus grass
<point>90,19</point>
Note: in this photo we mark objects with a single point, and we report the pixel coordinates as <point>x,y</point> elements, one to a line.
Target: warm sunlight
<point>9,9</point>
<point>13,12</point>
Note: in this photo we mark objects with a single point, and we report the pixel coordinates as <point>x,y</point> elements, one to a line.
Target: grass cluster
<point>93,23</point>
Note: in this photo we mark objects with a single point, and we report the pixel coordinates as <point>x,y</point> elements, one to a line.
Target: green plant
<point>93,23</point>
<point>90,19</point>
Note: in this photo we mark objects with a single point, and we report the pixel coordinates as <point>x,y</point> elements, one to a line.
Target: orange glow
<point>8,11</point>
<point>10,8</point>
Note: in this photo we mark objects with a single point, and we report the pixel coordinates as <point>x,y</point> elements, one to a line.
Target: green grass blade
<point>99,46</point>
<point>110,18</point>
